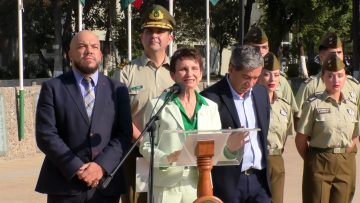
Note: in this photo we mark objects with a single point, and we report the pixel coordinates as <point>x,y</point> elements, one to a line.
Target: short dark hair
<point>188,53</point>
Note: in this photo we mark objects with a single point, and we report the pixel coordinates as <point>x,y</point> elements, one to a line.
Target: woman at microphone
<point>187,110</point>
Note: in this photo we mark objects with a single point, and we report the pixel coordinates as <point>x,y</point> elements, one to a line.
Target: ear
<point>201,74</point>
<point>172,75</point>
<point>171,38</point>
<point>101,56</point>
<point>70,55</point>
<point>230,69</point>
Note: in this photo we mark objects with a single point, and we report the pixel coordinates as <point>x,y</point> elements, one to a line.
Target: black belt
<point>250,171</point>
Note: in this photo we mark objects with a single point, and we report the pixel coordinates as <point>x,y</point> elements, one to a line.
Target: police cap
<point>330,40</point>
<point>157,16</point>
<point>270,62</point>
<point>255,35</point>
<point>333,63</point>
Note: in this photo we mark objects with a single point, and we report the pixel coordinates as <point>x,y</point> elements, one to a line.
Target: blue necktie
<point>89,98</point>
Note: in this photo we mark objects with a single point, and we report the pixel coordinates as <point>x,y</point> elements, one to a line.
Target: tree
<point>307,20</point>
<point>224,31</point>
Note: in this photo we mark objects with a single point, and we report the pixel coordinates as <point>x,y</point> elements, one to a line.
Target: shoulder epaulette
<point>349,77</point>
<point>308,80</point>
<point>284,100</point>
<point>350,100</point>
<point>123,64</point>
<point>283,74</point>
<point>312,97</point>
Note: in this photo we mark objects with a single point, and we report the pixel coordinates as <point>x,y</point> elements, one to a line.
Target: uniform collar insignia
<point>350,111</point>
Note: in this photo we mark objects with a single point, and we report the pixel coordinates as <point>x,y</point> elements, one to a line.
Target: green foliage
<point>38,27</point>
<point>96,15</point>
<point>308,20</point>
<point>121,36</point>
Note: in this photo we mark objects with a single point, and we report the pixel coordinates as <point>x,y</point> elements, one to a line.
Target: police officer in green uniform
<point>257,38</point>
<point>326,134</point>
<point>147,77</point>
<point>330,43</point>
<point>281,125</point>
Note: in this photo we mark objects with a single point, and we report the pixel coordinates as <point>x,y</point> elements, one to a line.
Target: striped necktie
<point>89,98</point>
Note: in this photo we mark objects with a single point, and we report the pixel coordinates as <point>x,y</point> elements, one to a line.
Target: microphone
<point>177,88</point>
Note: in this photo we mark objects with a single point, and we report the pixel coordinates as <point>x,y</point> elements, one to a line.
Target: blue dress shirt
<point>246,111</point>
<point>79,78</point>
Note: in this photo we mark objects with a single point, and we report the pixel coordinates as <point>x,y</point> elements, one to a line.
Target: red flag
<point>138,3</point>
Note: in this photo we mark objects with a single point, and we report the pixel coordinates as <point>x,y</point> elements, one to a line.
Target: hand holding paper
<point>237,140</point>
<point>173,157</point>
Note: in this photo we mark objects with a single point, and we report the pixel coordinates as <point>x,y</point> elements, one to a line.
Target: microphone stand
<point>149,127</point>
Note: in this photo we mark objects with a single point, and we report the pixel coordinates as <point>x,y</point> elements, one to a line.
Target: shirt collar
<point>199,99</point>
<point>325,96</point>
<point>234,93</point>
<point>144,60</point>
<point>79,77</point>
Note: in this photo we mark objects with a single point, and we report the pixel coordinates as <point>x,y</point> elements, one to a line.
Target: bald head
<point>81,35</point>
<point>85,53</point>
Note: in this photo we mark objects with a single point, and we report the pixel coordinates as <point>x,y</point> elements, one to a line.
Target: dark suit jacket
<point>226,178</point>
<point>68,139</point>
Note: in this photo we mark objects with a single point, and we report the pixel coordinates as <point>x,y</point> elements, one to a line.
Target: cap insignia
<point>156,14</point>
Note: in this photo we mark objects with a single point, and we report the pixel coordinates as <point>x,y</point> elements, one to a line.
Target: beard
<point>85,69</point>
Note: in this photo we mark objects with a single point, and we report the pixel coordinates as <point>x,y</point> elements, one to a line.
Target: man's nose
<point>88,50</point>
<point>252,82</point>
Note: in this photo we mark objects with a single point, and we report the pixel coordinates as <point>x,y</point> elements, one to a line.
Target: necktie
<point>89,98</point>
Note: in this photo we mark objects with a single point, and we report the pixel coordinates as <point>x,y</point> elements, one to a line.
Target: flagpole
<point>171,11</point>
<point>207,43</point>
<point>80,14</point>
<point>129,32</point>
<point>21,75</point>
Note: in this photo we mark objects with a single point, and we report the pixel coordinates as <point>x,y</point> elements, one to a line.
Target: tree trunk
<point>247,17</point>
<point>58,67</point>
<point>107,47</point>
<point>66,38</point>
<point>241,22</point>
<point>355,37</point>
<point>220,59</point>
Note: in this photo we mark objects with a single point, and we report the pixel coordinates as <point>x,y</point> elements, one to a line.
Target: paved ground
<point>18,178</point>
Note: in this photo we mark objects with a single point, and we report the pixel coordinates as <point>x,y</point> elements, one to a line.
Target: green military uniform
<point>145,81</point>
<point>257,36</point>
<point>330,126</point>
<point>281,125</point>
<point>284,91</point>
<point>314,85</point>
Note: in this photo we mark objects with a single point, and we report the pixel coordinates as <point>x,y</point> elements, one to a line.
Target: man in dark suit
<point>83,125</point>
<point>243,103</point>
